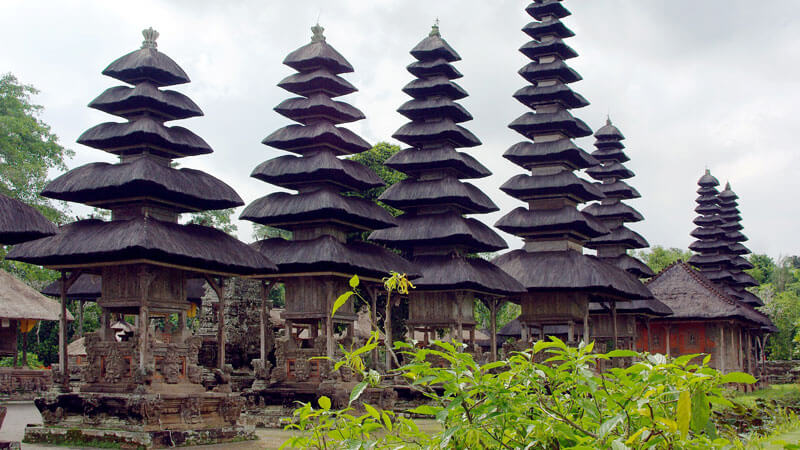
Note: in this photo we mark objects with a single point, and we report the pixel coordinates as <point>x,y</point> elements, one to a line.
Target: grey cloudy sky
<point>692,84</point>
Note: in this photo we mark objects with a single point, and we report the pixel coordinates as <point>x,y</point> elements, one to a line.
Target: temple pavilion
<point>144,255</point>
<point>433,232</point>
<point>560,279</point>
<point>326,223</point>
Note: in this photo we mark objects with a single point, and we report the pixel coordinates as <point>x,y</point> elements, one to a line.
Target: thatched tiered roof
<point>613,247</point>
<point>89,287</point>
<point>144,193</point>
<point>321,214</point>
<point>711,245</point>
<point>691,295</point>
<point>433,231</point>
<point>553,228</point>
<point>20,222</point>
<point>20,301</point>
<point>735,250</point>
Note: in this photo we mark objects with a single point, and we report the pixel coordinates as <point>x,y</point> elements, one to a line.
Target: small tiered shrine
<point>619,323</point>
<point>325,250</point>
<point>433,232</point>
<point>710,246</point>
<point>146,387</point>
<point>735,250</point>
<point>560,280</point>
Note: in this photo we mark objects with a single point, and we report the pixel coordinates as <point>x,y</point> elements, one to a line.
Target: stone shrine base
<point>139,420</point>
<point>95,437</point>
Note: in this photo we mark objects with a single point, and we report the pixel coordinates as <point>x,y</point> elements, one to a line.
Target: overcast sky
<point>692,84</point>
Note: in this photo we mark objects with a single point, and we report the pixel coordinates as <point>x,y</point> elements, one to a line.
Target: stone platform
<point>23,383</point>
<point>141,420</point>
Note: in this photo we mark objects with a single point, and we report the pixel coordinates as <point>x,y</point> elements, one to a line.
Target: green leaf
<point>425,410</point>
<point>341,301</point>
<point>701,411</point>
<point>324,403</point>
<point>357,391</point>
<point>621,354</point>
<point>372,411</point>
<point>354,281</point>
<point>737,377</point>
<point>609,425</point>
<point>684,413</point>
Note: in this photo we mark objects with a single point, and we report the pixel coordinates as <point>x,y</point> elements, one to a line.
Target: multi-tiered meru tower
<point>145,256</point>
<point>711,247</point>
<point>735,250</point>
<point>324,251</point>
<point>433,232</point>
<point>559,278</point>
<point>611,210</point>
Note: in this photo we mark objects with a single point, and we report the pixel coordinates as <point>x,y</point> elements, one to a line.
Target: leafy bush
<point>550,396</point>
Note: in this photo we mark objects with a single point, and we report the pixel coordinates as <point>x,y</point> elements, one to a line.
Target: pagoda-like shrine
<point>611,210</point>
<point>559,278</point>
<point>737,264</point>
<point>433,232</point>
<point>325,250</point>
<point>711,247</point>
<point>150,388</point>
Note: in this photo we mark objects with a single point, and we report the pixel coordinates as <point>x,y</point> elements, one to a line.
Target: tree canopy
<point>658,257</point>
<point>28,148</point>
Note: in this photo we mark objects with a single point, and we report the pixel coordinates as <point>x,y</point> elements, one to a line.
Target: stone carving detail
<point>190,410</point>
<point>230,408</point>
<point>116,367</point>
<point>172,365</point>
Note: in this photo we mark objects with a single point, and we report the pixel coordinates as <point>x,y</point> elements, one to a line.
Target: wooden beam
<point>614,320</point>
<point>372,291</point>
<point>387,327</point>
<point>649,337</point>
<point>330,348</point>
<point>586,334</point>
<point>668,339</point>
<point>63,355</point>
<point>722,348</point>
<point>80,317</point>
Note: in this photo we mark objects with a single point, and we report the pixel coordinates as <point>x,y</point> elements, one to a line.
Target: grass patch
<point>777,392</point>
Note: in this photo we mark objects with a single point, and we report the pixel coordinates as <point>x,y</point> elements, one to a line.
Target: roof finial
<point>608,119</point>
<point>708,172</point>
<point>317,30</point>
<point>435,29</point>
<point>150,36</point>
<point>727,185</point>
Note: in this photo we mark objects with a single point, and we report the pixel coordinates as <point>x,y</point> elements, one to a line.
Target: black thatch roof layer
<point>89,287</point>
<point>302,139</point>
<point>321,207</point>
<point>448,229</point>
<point>20,222</point>
<point>431,108</point>
<point>105,185</point>
<point>414,161</point>
<point>412,193</point>
<point>569,270</point>
<point>316,106</point>
<point>127,102</point>
<point>453,272</point>
<point>613,211</point>
<point>631,265</point>
<point>292,172</point>
<point>552,189</point>
<point>619,189</point>
<point>437,66</point>
<point>317,81</point>
<point>650,307</point>
<point>95,242</point>
<point>144,133</point>
<point>327,254</point>
<point>551,222</point>
<point>619,236</point>
<point>147,64</point>
<point>443,131</point>
<point>691,295</point>
<point>284,210</point>
<point>528,154</point>
<point>562,184</point>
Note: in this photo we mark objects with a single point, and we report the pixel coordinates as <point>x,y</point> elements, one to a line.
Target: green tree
<point>375,158</point>
<point>783,308</point>
<point>220,219</point>
<point>261,232</point>
<point>28,149</point>
<point>659,257</point>
<point>763,267</point>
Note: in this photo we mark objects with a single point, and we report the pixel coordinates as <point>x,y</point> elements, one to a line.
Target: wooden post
<point>493,338</point>
<point>373,316</point>
<point>25,350</point>
<point>739,346</point>
<point>80,317</point>
<point>265,291</point>
<point>721,367</point>
<point>63,362</point>
<point>571,331</point>
<point>649,337</point>
<point>330,348</point>
<point>669,328</point>
<point>387,327</point>
<point>144,321</point>
<point>218,285</point>
<point>586,334</point>
<point>614,320</point>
